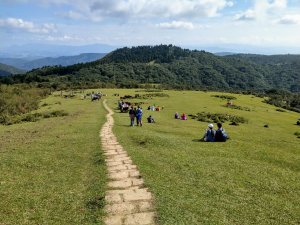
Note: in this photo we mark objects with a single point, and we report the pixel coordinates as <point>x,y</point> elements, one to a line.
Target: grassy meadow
<point>53,172</point>
<point>251,179</point>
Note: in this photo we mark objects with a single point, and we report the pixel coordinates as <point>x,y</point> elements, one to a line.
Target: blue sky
<point>218,23</point>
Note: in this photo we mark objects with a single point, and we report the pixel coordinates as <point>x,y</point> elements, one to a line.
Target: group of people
<point>182,117</point>
<point>136,113</point>
<point>212,135</point>
<point>123,106</point>
<point>155,108</point>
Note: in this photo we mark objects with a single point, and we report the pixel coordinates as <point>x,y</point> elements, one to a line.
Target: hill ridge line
<point>129,202</point>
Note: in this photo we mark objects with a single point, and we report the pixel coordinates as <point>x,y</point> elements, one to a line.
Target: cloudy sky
<point>267,23</point>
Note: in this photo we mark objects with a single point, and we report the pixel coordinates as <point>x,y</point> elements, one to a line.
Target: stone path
<point>128,201</point>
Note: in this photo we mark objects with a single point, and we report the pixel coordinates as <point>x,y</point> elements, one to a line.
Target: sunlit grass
<point>52,171</point>
<point>251,179</point>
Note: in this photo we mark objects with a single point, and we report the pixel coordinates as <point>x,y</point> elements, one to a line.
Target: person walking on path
<point>131,116</point>
<point>139,114</point>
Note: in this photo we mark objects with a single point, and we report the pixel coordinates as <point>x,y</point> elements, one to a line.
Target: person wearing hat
<point>210,133</point>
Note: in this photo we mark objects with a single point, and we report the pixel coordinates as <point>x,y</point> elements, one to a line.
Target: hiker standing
<point>139,114</point>
<point>131,116</point>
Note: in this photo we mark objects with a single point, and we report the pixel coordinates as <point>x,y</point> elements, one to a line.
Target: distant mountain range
<point>27,64</point>
<point>174,67</point>
<point>6,70</point>
<point>36,51</point>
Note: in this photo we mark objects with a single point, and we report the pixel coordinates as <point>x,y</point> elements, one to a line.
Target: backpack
<point>221,135</point>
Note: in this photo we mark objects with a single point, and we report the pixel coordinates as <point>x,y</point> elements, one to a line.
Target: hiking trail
<point>128,201</point>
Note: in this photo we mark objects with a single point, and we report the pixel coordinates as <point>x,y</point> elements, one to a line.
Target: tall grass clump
<point>19,99</point>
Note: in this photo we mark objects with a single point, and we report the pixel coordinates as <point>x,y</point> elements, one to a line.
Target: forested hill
<point>6,70</point>
<point>268,59</point>
<point>171,67</point>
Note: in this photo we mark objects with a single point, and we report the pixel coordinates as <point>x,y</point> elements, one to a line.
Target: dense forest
<point>171,67</point>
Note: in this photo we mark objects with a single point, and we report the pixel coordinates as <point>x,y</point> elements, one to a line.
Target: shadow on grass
<point>198,140</point>
<point>96,203</point>
<point>99,159</point>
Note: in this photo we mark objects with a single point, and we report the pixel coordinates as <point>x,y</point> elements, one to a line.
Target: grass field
<point>251,179</point>
<point>52,171</point>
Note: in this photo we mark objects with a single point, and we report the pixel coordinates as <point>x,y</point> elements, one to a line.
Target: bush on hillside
<point>31,117</point>
<point>226,97</point>
<point>243,108</point>
<point>19,99</point>
<point>218,117</point>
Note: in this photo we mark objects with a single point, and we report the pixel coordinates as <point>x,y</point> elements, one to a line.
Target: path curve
<point>129,202</point>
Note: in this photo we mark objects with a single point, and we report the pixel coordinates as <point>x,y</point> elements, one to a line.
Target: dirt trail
<point>129,202</point>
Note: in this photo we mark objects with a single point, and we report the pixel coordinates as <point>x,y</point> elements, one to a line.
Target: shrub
<point>145,96</point>
<point>218,117</point>
<point>238,107</point>
<point>30,117</point>
<point>227,97</point>
<point>19,99</point>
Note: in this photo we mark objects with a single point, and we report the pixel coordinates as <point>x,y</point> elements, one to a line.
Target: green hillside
<point>171,67</point>
<point>6,70</point>
<point>53,170</point>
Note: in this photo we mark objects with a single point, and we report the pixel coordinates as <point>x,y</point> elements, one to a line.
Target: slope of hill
<point>172,67</point>
<point>26,64</point>
<point>6,70</point>
<point>267,59</point>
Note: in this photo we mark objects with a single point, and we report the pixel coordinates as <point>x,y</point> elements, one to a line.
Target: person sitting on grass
<point>221,135</point>
<point>150,119</point>
<point>183,116</point>
<point>210,133</point>
<point>176,115</point>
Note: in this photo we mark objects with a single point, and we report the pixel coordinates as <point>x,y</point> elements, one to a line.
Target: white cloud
<point>289,19</point>
<point>261,9</point>
<point>153,8</point>
<point>247,15</point>
<point>177,25</point>
<point>63,38</point>
<point>15,23</point>
<point>72,15</point>
<point>100,9</point>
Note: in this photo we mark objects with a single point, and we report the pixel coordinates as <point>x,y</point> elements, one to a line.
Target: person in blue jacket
<point>210,133</point>
<point>139,115</point>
